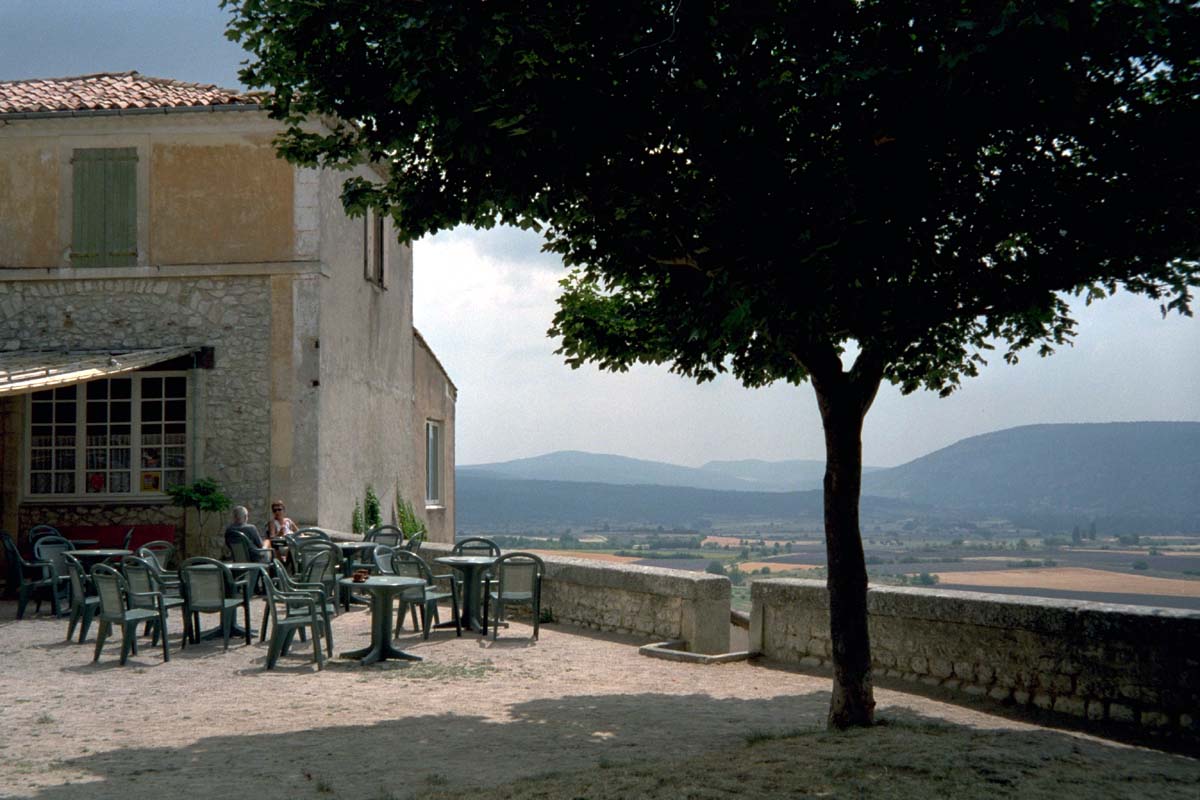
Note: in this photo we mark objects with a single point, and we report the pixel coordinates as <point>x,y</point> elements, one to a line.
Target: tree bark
<point>843,399</point>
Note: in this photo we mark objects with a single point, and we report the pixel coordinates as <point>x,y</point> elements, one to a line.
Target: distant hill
<point>750,475</point>
<point>1136,477</point>
<point>1122,471</point>
<point>487,502</point>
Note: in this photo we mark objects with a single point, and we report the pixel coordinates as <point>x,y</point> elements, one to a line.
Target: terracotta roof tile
<point>112,91</point>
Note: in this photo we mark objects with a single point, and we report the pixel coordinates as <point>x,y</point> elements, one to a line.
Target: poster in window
<point>151,481</point>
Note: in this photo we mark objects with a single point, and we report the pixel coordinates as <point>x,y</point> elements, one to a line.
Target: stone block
<point>941,667</point>
<point>1000,693</point>
<point>1075,706</point>
<point>931,680</point>
<point>919,665</point>
<point>975,690</point>
<point>964,669</point>
<point>1154,719</point>
<point>1021,697</point>
<point>1095,710</point>
<point>1118,712</point>
<point>1043,701</point>
<point>810,662</point>
<point>984,673</point>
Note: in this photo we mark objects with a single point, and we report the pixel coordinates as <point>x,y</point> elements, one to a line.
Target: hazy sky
<point>484,300</point>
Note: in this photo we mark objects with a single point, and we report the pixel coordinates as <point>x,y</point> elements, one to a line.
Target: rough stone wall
<point>230,411</point>
<point>1092,661</point>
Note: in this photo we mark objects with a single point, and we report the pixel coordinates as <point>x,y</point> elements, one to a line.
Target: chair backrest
<point>10,548</point>
<point>296,541</point>
<point>111,589</point>
<point>414,542</point>
<point>240,546</point>
<point>383,559</point>
<point>518,574</point>
<point>51,548</point>
<point>140,576</point>
<point>322,563</point>
<point>476,546</point>
<point>385,534</point>
<point>311,533</point>
<point>411,565</point>
<point>160,550</point>
<point>206,583</point>
<point>77,574</point>
<point>128,540</point>
<point>38,531</point>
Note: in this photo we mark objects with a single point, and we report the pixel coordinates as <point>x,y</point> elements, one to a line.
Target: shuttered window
<point>104,227</point>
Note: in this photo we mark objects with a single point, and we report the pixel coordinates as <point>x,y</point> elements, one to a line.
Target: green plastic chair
<point>296,541</point>
<point>115,609</point>
<point>84,602</point>
<point>427,597</point>
<point>291,611</point>
<point>415,541</point>
<point>38,531</point>
<point>385,534</point>
<point>475,546</point>
<point>325,607</point>
<point>515,578</point>
<point>244,550</point>
<point>50,549</point>
<point>209,588</point>
<point>141,577</point>
<point>160,550</point>
<point>33,578</point>
<point>325,571</point>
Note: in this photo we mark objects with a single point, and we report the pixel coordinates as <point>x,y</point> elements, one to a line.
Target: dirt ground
<point>1078,579</point>
<point>575,715</point>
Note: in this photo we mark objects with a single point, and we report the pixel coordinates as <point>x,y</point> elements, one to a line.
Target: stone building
<point>177,302</point>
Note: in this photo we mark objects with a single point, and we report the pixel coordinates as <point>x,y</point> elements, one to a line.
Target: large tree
<point>840,192</point>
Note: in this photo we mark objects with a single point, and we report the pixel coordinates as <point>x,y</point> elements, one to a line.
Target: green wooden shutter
<point>104,230</point>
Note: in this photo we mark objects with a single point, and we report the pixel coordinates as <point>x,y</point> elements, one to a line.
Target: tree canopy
<point>768,186</point>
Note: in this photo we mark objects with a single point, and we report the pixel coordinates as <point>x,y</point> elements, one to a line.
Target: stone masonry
<point>230,410</point>
<point>1097,662</point>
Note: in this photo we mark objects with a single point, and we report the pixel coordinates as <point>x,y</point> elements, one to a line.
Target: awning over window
<point>24,371</point>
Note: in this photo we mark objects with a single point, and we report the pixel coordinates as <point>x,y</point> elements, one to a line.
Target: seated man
<point>240,525</point>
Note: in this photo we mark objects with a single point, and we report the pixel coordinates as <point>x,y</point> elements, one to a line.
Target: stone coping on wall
<point>1042,615</point>
<point>659,581</point>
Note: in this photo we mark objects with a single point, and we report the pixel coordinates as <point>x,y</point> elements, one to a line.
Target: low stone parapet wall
<point>1100,662</point>
<point>629,599</point>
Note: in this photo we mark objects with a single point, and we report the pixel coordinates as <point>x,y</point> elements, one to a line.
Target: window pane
<point>151,457</point>
<point>118,459</point>
<point>119,411</point>
<point>43,413</point>
<point>121,388</point>
<point>151,387</point>
<point>97,412</point>
<point>118,482</point>
<point>40,483</point>
<point>43,396</point>
<point>97,459</point>
<point>65,393</point>
<point>172,479</point>
<point>97,390</point>
<point>176,387</point>
<point>64,483</point>
<point>96,482</point>
<point>151,411</point>
<point>176,410</point>
<point>175,458</point>
<point>64,413</point>
<point>64,459</point>
<point>40,459</point>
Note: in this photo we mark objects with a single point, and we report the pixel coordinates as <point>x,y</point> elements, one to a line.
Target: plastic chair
<point>209,588</point>
<point>84,602</point>
<point>38,531</point>
<point>385,534</point>
<point>125,544</point>
<point>383,560</point>
<point>296,541</point>
<point>327,608</point>
<point>326,571</point>
<point>28,586</point>
<point>517,578</point>
<point>157,559</point>
<point>415,541</point>
<point>115,608</point>
<point>291,611</point>
<point>475,546</point>
<point>245,550</point>
<point>160,550</point>
<point>411,565</point>
<point>142,579</point>
<point>50,550</point>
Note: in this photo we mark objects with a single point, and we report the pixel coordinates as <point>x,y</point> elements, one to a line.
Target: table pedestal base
<point>380,648</point>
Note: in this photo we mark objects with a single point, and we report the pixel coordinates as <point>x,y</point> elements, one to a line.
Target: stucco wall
<point>230,435</point>
<point>366,353</point>
<point>433,399</point>
<point>219,199</point>
<point>210,189</point>
<point>1126,665</point>
<point>28,201</point>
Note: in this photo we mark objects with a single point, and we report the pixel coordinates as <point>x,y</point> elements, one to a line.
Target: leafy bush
<point>372,512</point>
<point>205,496</point>
<point>356,519</point>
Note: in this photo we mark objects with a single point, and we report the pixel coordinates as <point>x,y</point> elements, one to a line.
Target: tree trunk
<point>843,399</point>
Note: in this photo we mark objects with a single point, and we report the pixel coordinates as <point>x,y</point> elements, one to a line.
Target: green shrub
<point>372,512</point>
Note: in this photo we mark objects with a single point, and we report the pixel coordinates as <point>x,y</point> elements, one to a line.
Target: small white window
<point>433,463</point>
<point>374,248</point>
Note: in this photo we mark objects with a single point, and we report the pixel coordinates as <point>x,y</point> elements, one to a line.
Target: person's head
<point>277,508</point>
<point>240,515</point>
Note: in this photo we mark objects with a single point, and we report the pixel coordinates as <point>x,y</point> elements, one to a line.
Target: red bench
<point>114,535</point>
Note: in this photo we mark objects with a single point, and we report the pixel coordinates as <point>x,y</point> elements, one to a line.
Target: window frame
<point>375,249</point>
<point>434,472</point>
<point>136,445</point>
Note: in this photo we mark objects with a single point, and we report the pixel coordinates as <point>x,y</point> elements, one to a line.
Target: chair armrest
<point>156,596</point>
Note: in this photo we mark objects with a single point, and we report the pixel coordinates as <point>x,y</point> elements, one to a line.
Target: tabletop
<point>244,565</point>
<point>462,561</point>
<point>355,545</point>
<point>100,553</point>
<point>384,581</point>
